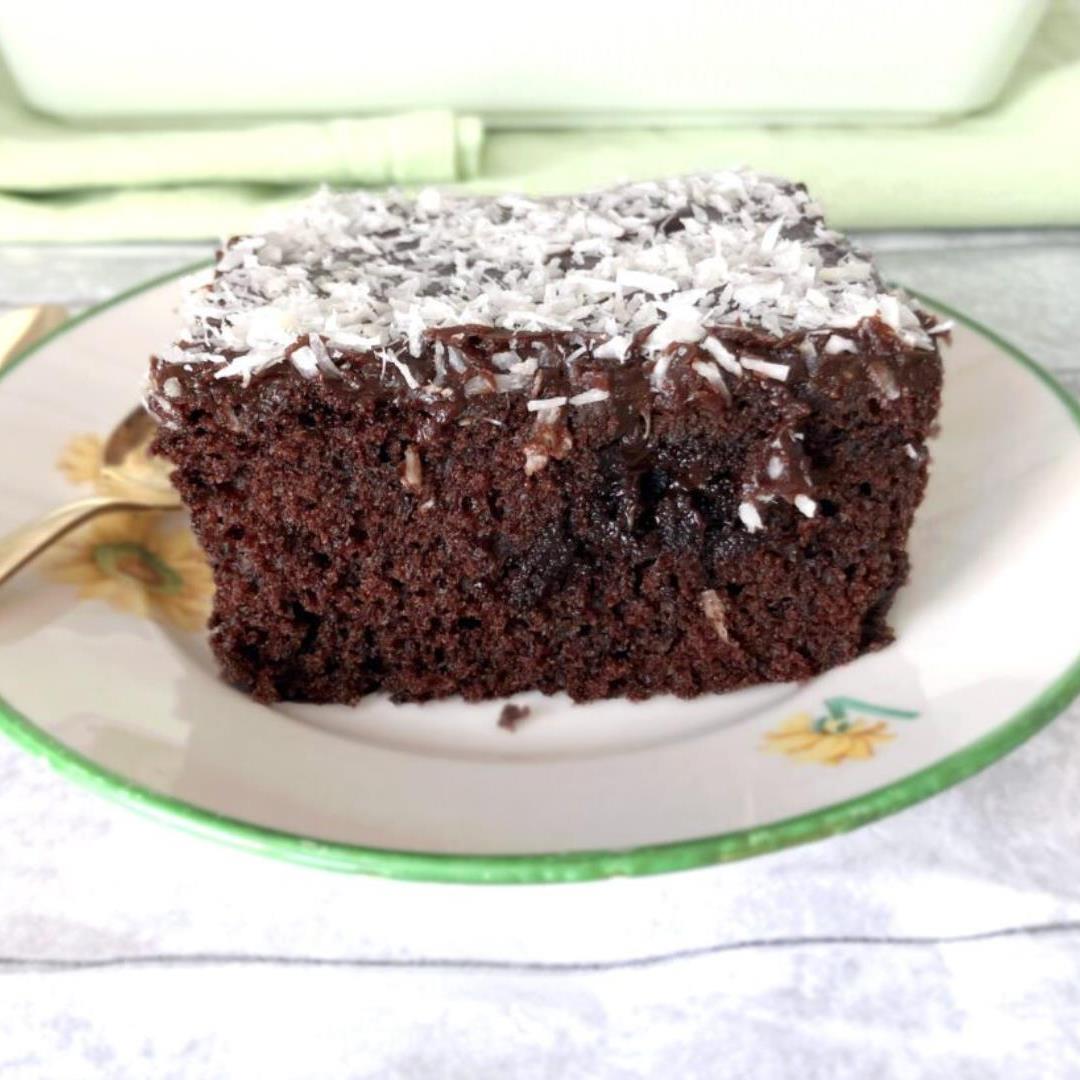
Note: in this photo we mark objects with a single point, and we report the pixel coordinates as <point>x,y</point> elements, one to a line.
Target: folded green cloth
<point>1017,163</point>
<point>38,154</point>
<point>60,182</point>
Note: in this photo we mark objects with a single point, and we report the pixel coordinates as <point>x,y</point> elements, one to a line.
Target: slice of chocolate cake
<point>663,438</point>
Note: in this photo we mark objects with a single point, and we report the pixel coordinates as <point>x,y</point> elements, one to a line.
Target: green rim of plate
<point>557,866</point>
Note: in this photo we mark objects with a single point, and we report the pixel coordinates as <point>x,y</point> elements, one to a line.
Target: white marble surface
<point>942,942</point>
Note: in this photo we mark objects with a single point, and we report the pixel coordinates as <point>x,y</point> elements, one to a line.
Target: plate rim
<point>563,866</point>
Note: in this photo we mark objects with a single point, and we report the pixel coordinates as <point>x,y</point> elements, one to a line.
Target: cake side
<point>696,502</point>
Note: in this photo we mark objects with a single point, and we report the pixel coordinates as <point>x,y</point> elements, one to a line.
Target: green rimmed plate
<point>103,674</point>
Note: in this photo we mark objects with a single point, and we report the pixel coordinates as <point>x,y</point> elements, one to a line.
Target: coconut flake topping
<point>360,271</point>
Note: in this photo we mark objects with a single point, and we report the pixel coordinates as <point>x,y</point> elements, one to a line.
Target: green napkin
<point>60,182</point>
<point>1017,163</point>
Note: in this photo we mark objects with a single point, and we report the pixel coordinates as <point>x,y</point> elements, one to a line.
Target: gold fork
<point>126,444</point>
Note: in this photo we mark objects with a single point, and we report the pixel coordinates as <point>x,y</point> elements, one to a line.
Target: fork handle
<point>28,541</point>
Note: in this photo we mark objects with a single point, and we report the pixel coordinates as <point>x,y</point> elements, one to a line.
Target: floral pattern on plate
<point>142,563</point>
<point>842,733</point>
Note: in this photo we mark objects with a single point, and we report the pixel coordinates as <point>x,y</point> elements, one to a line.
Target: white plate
<point>988,632</point>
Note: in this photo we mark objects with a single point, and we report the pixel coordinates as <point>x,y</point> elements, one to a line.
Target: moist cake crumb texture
<point>668,437</point>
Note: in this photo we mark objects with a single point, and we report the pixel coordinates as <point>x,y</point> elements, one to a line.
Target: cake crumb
<point>512,715</point>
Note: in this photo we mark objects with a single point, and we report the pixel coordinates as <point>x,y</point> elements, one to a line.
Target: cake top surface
<point>632,269</point>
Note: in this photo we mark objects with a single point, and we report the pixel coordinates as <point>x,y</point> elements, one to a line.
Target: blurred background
<point>133,137</point>
<point>125,122</point>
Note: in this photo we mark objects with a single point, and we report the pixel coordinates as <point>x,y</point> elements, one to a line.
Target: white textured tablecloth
<point>943,942</point>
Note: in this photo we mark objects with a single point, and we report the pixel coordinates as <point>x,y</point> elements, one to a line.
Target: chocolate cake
<point>667,437</point>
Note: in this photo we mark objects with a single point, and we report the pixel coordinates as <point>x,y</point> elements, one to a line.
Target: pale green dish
<point>772,61</point>
<point>131,706</point>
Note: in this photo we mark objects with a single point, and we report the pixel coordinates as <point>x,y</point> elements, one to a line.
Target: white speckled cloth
<point>943,942</point>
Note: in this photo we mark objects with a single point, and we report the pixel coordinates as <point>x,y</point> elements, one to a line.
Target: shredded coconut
<point>412,474</point>
<point>716,613</point>
<point>722,355</point>
<point>378,273</point>
<point>884,380</point>
<point>543,404</point>
<point>765,367</point>
<point>837,344</point>
<point>614,348</point>
<point>750,517</point>
<point>589,397</point>
<point>711,373</point>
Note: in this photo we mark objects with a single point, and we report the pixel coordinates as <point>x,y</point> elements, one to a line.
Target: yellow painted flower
<point>828,740</point>
<point>137,564</point>
<point>82,461</point>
